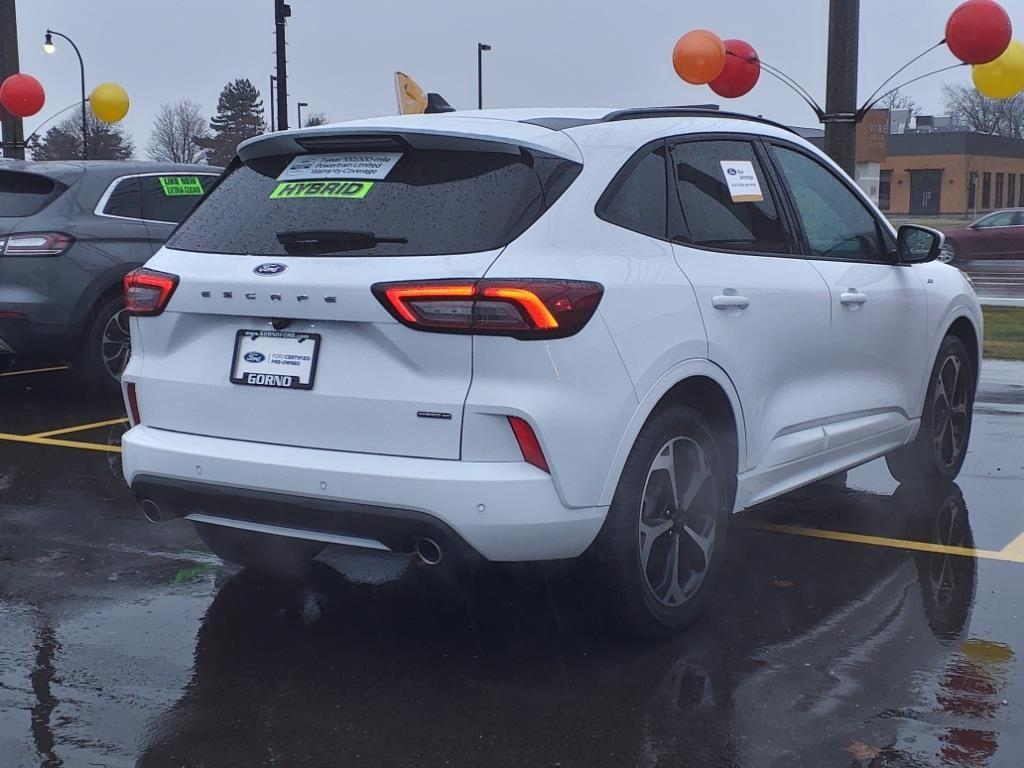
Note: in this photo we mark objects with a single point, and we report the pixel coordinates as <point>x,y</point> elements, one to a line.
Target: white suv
<point>536,334</point>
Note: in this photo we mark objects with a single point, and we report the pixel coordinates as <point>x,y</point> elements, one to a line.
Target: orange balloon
<point>699,56</point>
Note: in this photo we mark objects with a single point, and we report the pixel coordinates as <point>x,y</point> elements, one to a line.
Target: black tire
<point>259,551</point>
<point>938,451</point>
<point>643,599</point>
<point>105,347</point>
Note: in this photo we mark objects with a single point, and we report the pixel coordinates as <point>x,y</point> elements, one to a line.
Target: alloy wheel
<point>116,344</point>
<point>950,411</point>
<point>677,521</point>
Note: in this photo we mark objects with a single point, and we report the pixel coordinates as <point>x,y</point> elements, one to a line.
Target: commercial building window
<point>1021,192</point>
<point>1011,189</point>
<point>972,190</point>
<point>986,191</point>
<point>999,190</point>
<point>885,190</point>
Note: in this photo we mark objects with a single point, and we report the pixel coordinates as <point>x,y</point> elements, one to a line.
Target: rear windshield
<point>428,202</point>
<point>24,194</point>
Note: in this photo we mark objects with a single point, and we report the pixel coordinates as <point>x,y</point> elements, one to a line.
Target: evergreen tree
<point>239,117</point>
<point>107,141</point>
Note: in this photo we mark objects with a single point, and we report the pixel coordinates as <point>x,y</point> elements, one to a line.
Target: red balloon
<point>22,95</point>
<point>741,72</point>
<point>978,31</point>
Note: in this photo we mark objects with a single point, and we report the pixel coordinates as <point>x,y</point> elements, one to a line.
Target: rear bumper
<point>504,511</point>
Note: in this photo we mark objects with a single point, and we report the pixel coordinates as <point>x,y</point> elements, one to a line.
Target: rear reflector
<point>133,405</point>
<point>146,291</point>
<point>523,309</point>
<point>528,443</point>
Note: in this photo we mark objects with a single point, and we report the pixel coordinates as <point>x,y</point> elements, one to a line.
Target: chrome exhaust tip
<point>428,551</point>
<point>150,510</point>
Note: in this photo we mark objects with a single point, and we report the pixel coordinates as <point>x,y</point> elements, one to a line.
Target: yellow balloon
<point>1004,77</point>
<point>109,102</point>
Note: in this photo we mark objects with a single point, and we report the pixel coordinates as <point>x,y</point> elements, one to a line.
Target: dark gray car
<point>69,233</point>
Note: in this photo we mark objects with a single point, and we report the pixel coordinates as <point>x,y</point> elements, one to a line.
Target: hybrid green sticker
<point>351,190</point>
<point>182,186</point>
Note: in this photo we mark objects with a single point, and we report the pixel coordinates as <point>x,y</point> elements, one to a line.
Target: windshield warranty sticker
<point>341,165</point>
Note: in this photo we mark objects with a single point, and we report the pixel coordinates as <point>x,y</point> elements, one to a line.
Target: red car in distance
<point>996,235</point>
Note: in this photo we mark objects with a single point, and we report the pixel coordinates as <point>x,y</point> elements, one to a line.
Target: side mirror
<point>916,244</point>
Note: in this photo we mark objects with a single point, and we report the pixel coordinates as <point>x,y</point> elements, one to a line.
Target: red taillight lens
<point>37,244</point>
<point>133,405</point>
<point>528,443</point>
<point>146,291</point>
<point>524,309</point>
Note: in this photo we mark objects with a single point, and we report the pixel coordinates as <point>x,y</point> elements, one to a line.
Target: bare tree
<point>899,100</point>
<point>175,130</point>
<point>968,107</point>
<point>317,118</point>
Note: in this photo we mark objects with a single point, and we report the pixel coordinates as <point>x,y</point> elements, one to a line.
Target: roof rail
<point>692,110</point>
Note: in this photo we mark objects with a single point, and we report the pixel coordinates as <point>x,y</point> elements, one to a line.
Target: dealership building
<point>935,168</point>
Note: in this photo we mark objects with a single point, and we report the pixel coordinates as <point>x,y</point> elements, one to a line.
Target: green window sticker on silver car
<point>181,186</point>
<point>352,190</point>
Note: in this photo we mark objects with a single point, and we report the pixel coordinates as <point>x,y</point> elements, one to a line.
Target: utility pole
<point>841,90</point>
<point>273,117</point>
<point>281,13</point>
<point>13,128</point>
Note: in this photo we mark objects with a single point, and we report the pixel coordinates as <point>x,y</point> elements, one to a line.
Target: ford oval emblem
<point>255,357</point>
<point>270,269</point>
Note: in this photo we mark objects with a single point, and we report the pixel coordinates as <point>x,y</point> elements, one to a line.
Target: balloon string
<point>802,92</point>
<point>869,103</point>
<point>863,110</point>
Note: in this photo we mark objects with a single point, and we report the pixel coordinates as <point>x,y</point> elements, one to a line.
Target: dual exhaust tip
<point>426,549</point>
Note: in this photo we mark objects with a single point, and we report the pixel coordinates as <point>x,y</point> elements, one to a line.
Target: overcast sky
<point>342,53</point>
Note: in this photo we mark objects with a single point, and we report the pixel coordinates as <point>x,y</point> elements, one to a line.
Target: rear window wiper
<point>311,242</point>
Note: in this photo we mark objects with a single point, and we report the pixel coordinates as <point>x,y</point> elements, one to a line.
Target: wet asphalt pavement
<point>888,644</point>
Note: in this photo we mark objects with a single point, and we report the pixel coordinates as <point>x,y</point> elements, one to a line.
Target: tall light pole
<point>273,118</point>
<point>13,127</point>
<point>299,107</point>
<point>480,48</point>
<point>281,13</point>
<point>49,47</point>
<point>841,90</point>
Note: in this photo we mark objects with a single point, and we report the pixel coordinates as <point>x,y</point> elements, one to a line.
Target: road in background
<point>997,281</point>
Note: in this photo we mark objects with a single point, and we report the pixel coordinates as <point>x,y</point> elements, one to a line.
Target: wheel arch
<point>698,383</point>
<point>964,329</point>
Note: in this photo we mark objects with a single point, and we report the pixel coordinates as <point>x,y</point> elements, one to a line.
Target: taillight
<point>146,291</point>
<point>524,309</point>
<point>37,244</point>
<point>528,443</point>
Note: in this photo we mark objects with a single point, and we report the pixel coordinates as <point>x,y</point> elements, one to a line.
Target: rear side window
<point>711,213</point>
<point>124,199</point>
<point>25,194</point>
<point>636,199</point>
<point>171,198</point>
<point>436,201</point>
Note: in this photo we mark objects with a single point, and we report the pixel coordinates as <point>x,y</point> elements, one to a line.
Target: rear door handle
<point>852,296</point>
<point>730,301</point>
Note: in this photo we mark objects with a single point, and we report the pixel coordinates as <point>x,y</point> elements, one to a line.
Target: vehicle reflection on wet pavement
<point>125,643</point>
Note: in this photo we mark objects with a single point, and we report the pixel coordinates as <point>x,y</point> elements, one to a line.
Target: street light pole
<point>273,119</point>
<point>841,90</point>
<point>281,13</point>
<point>480,48</point>
<point>13,127</point>
<point>48,47</point>
<point>299,107</point>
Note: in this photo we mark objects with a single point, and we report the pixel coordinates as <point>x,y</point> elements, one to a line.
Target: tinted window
<point>636,198</point>
<point>1002,219</point>
<point>172,197</point>
<point>124,200</point>
<point>709,214</point>
<point>836,222</point>
<point>430,202</point>
<point>24,194</point>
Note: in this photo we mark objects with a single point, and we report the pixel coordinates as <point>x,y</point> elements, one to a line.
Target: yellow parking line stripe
<point>1014,553</point>
<point>34,370</point>
<point>80,428</point>
<point>33,440</point>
